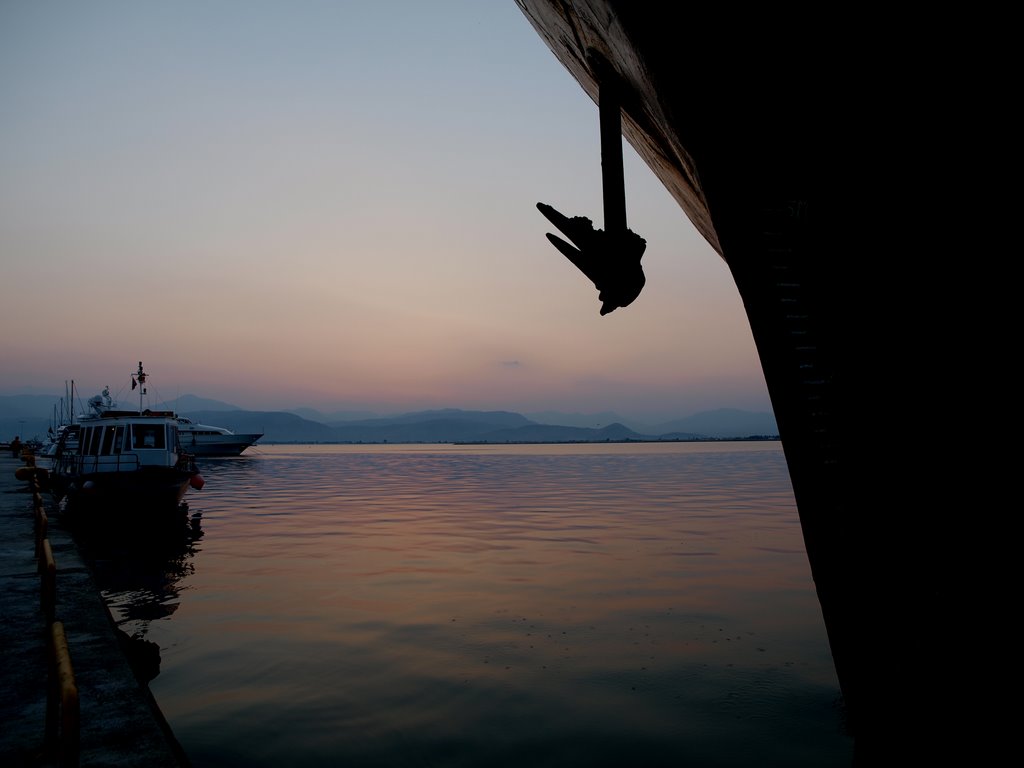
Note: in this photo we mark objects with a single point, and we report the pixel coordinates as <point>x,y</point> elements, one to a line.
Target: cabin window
<point>94,442</point>
<point>118,439</point>
<point>147,436</point>
<point>108,440</point>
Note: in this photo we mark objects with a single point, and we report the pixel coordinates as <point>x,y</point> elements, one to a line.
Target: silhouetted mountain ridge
<point>30,415</point>
<point>444,426</point>
<point>498,418</point>
<point>723,422</point>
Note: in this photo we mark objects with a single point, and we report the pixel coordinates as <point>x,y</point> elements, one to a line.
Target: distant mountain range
<point>30,415</point>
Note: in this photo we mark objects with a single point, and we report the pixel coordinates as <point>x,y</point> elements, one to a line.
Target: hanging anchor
<point>610,258</point>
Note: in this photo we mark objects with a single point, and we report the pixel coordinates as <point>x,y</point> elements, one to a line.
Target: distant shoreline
<point>449,425</point>
<point>750,439</point>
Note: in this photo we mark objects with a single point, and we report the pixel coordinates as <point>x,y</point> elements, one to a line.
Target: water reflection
<point>538,605</point>
<point>139,562</point>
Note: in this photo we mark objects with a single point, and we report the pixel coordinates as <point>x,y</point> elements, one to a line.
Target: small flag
<point>134,383</point>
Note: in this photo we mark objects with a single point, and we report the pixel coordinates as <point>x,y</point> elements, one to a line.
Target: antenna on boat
<point>139,380</point>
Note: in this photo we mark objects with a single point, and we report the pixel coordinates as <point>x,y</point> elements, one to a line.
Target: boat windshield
<point>148,436</point>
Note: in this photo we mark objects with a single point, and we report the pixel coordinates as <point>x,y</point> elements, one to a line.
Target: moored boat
<point>206,440</point>
<point>123,459</point>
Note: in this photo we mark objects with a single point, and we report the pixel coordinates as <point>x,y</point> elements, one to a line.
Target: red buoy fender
<point>197,482</point>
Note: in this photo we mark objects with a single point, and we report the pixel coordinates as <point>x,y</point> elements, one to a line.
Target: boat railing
<point>75,464</point>
<point>122,462</point>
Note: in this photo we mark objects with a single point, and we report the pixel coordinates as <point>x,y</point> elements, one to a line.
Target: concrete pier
<point>119,724</point>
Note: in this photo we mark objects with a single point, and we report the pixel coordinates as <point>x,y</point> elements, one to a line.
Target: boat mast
<point>141,384</point>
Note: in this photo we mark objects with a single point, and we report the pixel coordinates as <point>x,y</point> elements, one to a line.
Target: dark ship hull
<point>771,143</point>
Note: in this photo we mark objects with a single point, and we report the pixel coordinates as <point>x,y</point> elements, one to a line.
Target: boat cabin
<point>120,441</point>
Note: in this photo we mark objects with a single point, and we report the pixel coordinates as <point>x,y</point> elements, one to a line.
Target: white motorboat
<point>122,459</point>
<point>205,440</point>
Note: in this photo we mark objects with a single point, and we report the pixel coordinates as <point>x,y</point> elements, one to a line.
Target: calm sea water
<point>442,605</point>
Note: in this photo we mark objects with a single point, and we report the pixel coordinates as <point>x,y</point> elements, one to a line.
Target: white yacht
<point>204,440</point>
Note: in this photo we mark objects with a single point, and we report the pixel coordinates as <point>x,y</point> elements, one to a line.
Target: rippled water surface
<point>583,605</point>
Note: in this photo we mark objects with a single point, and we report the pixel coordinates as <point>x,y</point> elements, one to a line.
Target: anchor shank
<point>614,186</point>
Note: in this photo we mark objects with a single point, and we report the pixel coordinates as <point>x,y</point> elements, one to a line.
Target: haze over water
<point>563,605</point>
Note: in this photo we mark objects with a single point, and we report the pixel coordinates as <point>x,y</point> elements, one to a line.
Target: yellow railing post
<point>62,726</point>
<point>41,520</point>
<point>42,524</point>
<point>48,572</point>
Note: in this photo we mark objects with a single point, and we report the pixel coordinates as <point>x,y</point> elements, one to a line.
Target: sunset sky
<point>332,204</point>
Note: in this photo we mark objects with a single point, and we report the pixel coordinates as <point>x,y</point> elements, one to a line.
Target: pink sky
<point>332,205</point>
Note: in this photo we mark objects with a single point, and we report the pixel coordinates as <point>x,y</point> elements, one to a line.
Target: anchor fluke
<point>611,260</point>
